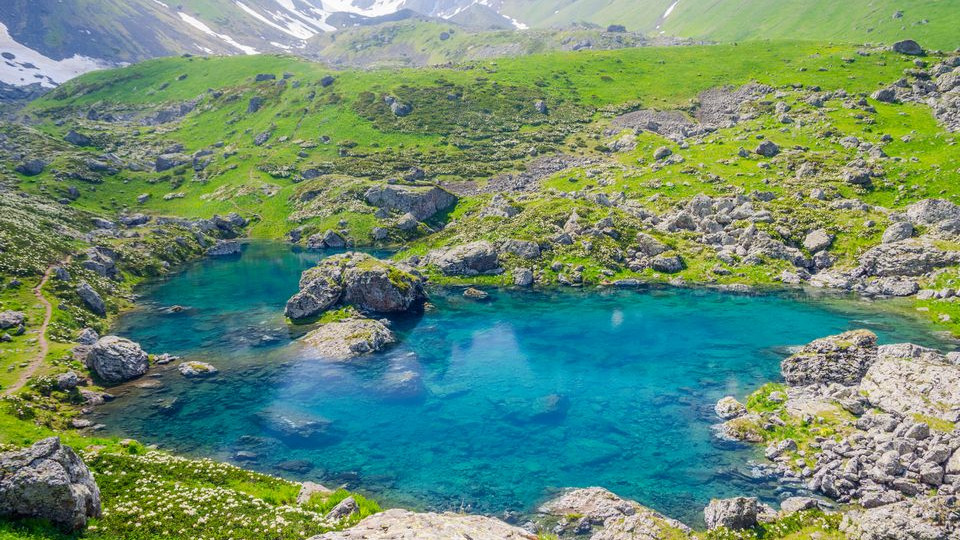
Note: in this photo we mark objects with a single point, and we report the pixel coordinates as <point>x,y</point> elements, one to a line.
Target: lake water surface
<point>488,407</point>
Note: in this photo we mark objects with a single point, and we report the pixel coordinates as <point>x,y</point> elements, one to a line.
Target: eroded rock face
<point>115,359</point>
<point>423,202</point>
<point>403,525</point>
<point>610,517</point>
<point>349,338</point>
<point>356,279</point>
<point>48,481</point>
<point>470,259</point>
<point>843,359</point>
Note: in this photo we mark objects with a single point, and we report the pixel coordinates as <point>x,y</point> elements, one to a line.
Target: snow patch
<point>207,30</point>
<point>159,3</point>
<point>670,9</point>
<point>29,66</point>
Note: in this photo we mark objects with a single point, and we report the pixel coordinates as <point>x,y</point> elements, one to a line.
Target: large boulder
<point>470,259</point>
<point>898,231</point>
<point>91,299</point>
<point>399,524</point>
<point>48,481</point>
<point>842,359</point>
<point>349,338</point>
<point>11,319</point>
<point>359,280</point>
<point>615,517</point>
<point>932,212</point>
<point>908,46</point>
<point>115,359</point>
<point>734,514</point>
<point>422,201</point>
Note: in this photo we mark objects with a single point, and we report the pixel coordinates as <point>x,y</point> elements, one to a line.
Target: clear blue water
<point>516,398</point>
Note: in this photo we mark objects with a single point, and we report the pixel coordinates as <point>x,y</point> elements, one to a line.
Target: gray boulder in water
<point>358,280</point>
<point>115,359</point>
<point>48,481</point>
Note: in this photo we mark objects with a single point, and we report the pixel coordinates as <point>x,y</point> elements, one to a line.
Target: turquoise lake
<point>505,402</point>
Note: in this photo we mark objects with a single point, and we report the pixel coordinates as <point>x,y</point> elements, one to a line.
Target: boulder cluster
<point>901,449</point>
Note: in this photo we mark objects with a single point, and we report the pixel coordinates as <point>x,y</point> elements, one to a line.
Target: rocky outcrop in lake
<point>359,280</point>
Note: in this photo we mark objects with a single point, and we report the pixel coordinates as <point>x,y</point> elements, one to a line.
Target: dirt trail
<point>42,337</point>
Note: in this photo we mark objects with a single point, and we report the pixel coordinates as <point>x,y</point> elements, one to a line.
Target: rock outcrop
<point>48,481</point>
<point>734,514</point>
<point>927,518</point>
<point>405,525</point>
<point>423,202</point>
<point>358,280</point>
<point>843,359</point>
<point>349,338</point>
<point>115,359</point>
<point>608,517</point>
<point>475,258</point>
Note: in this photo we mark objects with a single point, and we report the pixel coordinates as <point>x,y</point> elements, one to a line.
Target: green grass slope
<point>931,22</point>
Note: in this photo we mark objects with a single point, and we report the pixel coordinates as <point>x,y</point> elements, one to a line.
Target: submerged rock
<point>358,280</point>
<point>115,359</point>
<point>349,338</point>
<point>293,426</point>
<point>194,369</point>
<point>403,525</point>
<point>48,481</point>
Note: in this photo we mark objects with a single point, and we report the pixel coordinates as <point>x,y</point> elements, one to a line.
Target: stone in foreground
<point>115,359</point>
<point>614,517</point>
<point>349,338</point>
<point>734,514</point>
<point>48,481</point>
<point>403,525</point>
